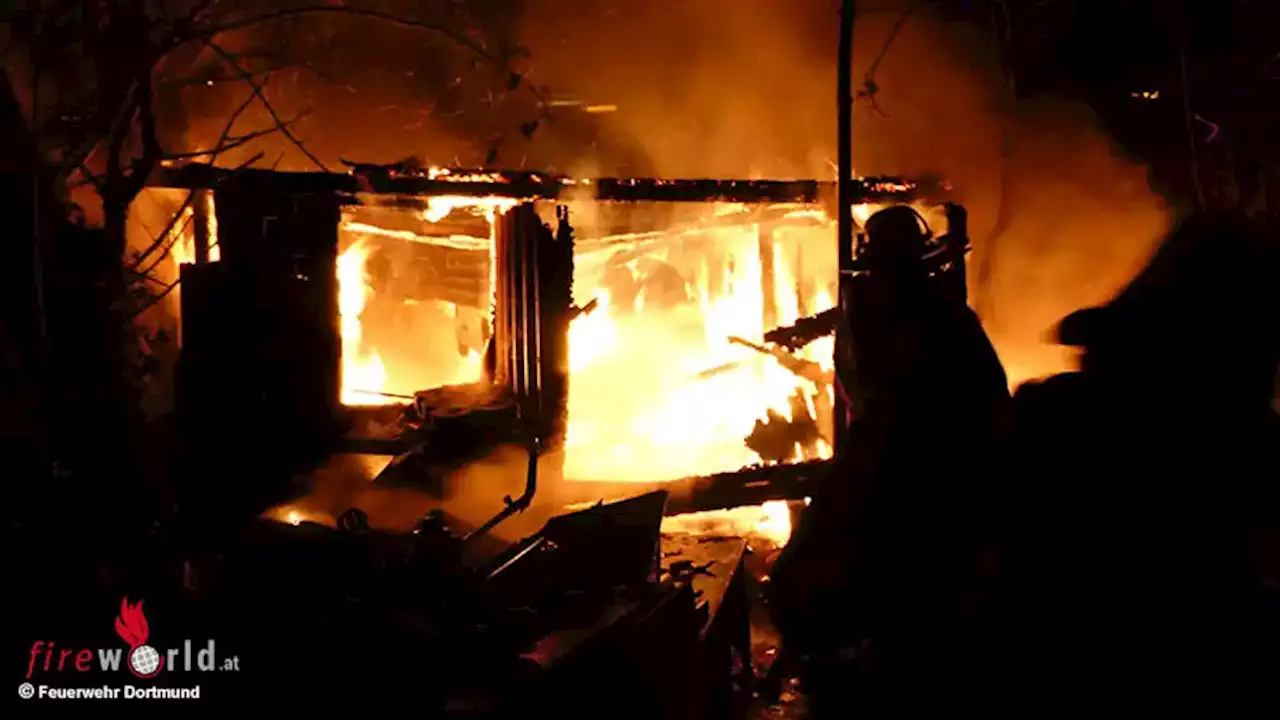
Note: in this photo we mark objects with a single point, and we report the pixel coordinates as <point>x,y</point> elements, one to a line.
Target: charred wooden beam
<point>534,186</point>
<point>722,491</point>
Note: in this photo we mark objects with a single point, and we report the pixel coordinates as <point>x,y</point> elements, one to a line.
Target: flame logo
<point>132,627</point>
<point>131,624</point>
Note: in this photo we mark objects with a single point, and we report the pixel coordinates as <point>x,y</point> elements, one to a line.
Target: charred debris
<point>597,605</point>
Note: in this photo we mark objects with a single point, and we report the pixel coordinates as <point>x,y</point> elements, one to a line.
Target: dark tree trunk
<point>68,406</point>
<point>20,314</point>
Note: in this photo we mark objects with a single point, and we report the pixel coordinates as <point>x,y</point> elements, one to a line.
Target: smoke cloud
<point>747,89</point>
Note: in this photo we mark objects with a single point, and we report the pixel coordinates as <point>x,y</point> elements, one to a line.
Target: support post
<point>844,195</point>
<point>534,275</point>
<point>200,203</point>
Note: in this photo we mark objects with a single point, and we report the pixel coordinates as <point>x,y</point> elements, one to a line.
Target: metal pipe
<point>533,546</point>
<point>519,504</point>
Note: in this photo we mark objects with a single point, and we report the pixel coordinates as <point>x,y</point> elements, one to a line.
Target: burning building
<point>380,311</point>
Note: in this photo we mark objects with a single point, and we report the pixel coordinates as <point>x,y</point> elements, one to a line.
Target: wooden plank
<point>748,486</point>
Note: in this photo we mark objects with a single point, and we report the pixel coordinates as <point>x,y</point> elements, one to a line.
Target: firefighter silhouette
<point>882,560</point>
<point>1139,484</point>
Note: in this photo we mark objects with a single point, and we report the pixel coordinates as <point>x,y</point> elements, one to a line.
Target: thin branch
<point>208,34</point>
<point>869,87</point>
<point>172,236</point>
<point>142,277</point>
<point>87,179</point>
<point>237,141</point>
<point>155,299</point>
<point>219,79</point>
<point>262,97</point>
<point>104,126</point>
<point>893,35</point>
<point>92,140</point>
<point>235,115</point>
<point>158,241</point>
<point>169,288</point>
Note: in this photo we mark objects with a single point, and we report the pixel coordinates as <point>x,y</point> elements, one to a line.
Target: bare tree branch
<point>209,80</point>
<point>141,277</point>
<point>159,240</point>
<point>209,33</point>
<point>893,35</point>
<point>224,144</point>
<point>87,178</point>
<point>232,143</point>
<point>262,97</point>
<point>172,236</point>
<point>869,87</point>
<point>155,299</point>
<point>169,288</point>
<point>92,140</point>
<point>190,28</point>
<point>140,169</point>
<point>235,115</point>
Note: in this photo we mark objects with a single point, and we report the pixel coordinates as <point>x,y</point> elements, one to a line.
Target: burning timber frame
<point>531,186</point>
<point>276,284</point>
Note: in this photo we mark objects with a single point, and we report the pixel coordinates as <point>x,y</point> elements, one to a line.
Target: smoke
<point>746,88</point>
<point>469,495</point>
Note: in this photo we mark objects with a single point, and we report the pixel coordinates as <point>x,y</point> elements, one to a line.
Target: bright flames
<point>770,521</point>
<point>363,374</point>
<point>661,393</point>
<point>657,390</point>
<point>393,346</point>
<point>182,235</point>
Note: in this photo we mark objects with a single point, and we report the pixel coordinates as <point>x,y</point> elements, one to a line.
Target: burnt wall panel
<point>292,238</point>
<point>251,394</point>
<point>531,319</point>
<point>259,371</point>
